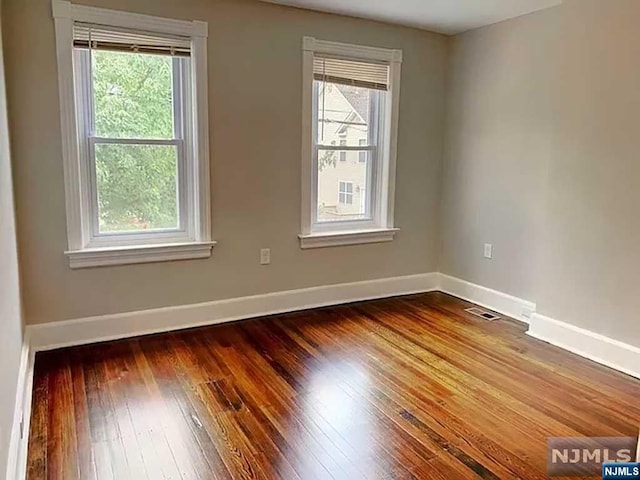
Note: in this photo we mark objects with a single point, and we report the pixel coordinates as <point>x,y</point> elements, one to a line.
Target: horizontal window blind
<point>351,72</point>
<point>106,38</point>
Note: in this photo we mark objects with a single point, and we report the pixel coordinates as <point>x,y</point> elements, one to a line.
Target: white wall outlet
<point>265,256</point>
<point>488,250</point>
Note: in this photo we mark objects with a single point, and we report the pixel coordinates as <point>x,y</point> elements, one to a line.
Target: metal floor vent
<point>478,312</point>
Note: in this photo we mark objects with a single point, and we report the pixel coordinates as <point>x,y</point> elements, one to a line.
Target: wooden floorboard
<point>404,388</point>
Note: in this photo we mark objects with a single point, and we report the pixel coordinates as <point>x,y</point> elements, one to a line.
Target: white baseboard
<point>604,350</point>
<point>17,458</point>
<point>492,299</point>
<point>109,327</point>
<point>594,346</point>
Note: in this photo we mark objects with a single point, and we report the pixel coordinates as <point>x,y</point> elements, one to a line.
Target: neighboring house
<point>342,175</point>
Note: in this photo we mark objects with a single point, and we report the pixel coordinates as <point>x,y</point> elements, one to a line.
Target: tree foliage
<point>133,98</point>
<point>327,158</point>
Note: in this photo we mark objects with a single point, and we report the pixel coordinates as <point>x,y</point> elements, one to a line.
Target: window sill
<point>101,257</point>
<point>352,237</point>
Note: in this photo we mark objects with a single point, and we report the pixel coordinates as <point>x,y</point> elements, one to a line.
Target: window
<point>134,117</point>
<point>345,193</point>
<point>350,104</point>
<point>362,155</point>
<point>343,154</point>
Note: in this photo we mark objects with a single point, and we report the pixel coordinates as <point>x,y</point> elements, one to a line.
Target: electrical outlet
<point>488,250</point>
<point>265,256</point>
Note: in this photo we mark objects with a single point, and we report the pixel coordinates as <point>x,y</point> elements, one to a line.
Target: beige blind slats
<point>351,72</point>
<point>102,38</point>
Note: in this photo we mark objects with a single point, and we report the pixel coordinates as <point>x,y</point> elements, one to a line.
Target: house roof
<point>357,98</point>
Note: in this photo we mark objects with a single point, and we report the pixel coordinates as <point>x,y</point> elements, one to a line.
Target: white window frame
<point>362,158</point>
<point>345,192</point>
<point>193,238</point>
<point>342,154</point>
<point>380,228</point>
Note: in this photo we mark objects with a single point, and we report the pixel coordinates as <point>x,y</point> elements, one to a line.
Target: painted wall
<point>498,149</point>
<point>542,161</point>
<point>255,174</point>
<point>10,309</point>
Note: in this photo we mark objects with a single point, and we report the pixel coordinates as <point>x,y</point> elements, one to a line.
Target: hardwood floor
<point>410,387</point>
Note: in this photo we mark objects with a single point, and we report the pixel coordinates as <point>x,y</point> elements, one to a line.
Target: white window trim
<point>347,237</point>
<point>361,143</point>
<point>352,193</point>
<point>76,199</point>
<point>383,230</point>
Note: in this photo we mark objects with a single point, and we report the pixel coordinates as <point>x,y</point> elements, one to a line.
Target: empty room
<point>319,239</point>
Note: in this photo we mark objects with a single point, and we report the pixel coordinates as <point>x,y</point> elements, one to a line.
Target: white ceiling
<point>442,16</point>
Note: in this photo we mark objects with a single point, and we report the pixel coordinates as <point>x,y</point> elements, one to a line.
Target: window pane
<point>344,113</point>
<point>343,187</point>
<point>362,156</point>
<point>133,95</point>
<point>137,187</point>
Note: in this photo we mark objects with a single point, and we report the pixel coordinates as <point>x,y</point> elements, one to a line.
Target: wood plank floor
<point>410,387</point>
